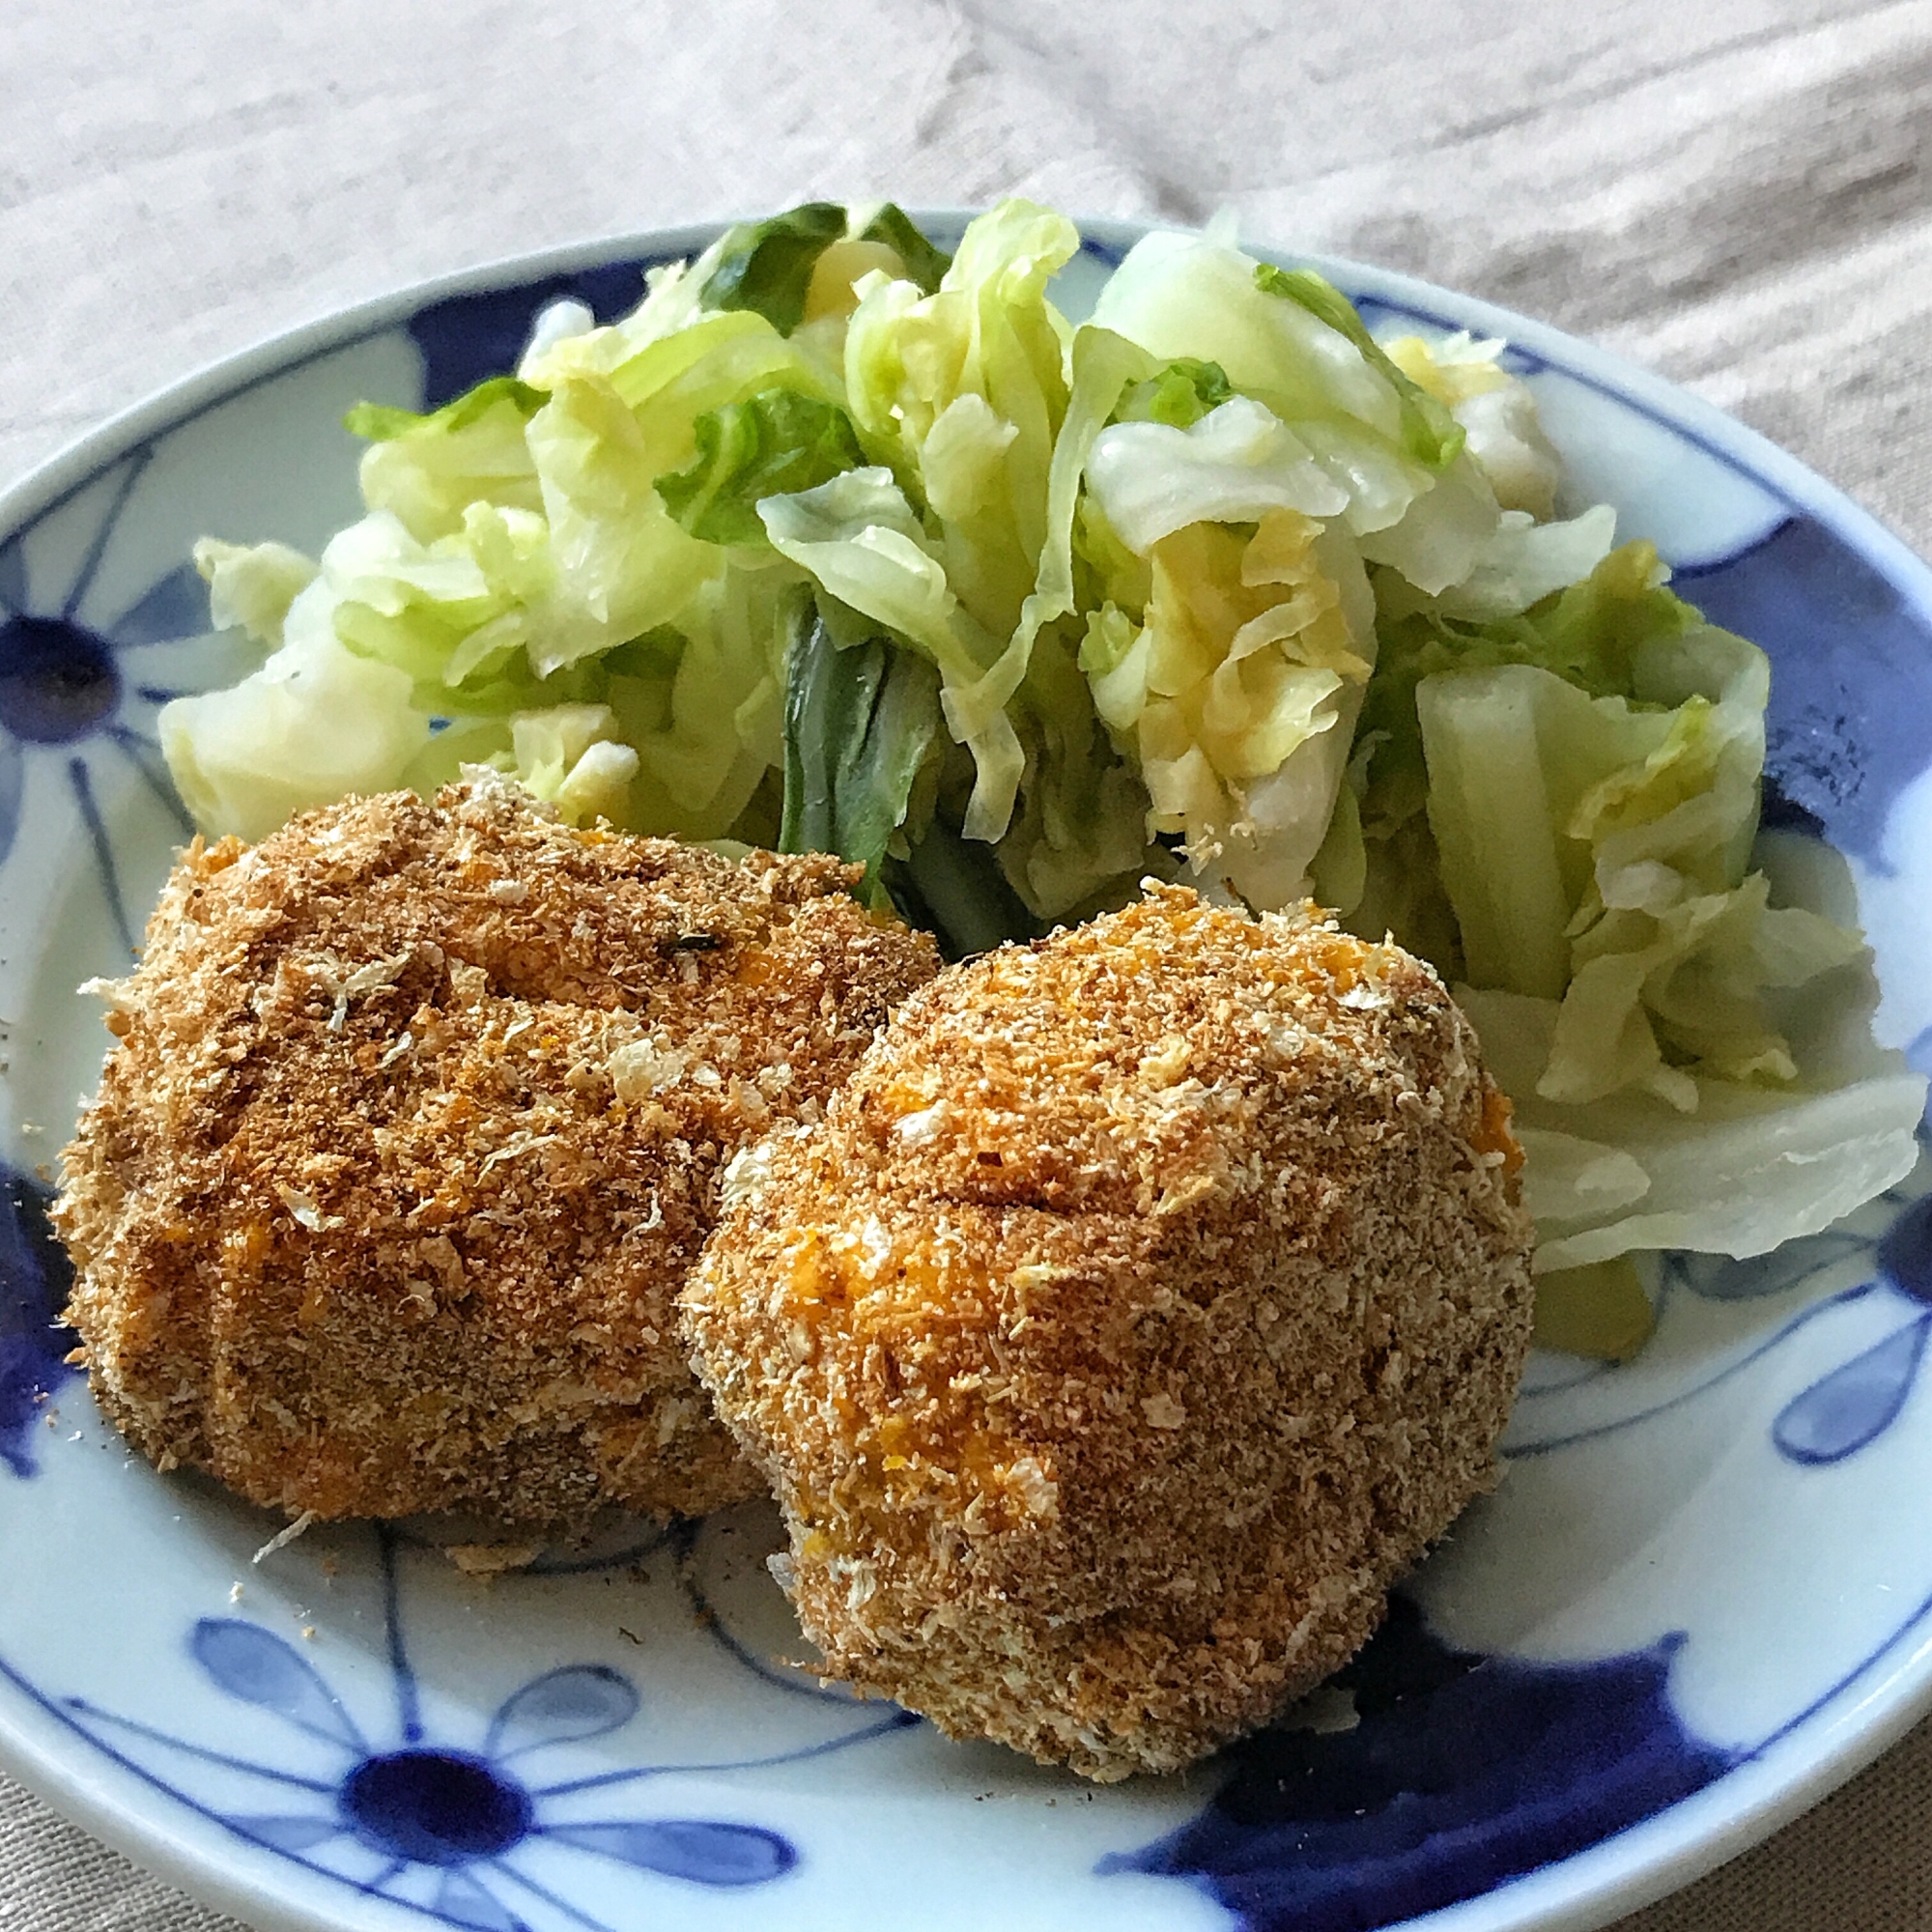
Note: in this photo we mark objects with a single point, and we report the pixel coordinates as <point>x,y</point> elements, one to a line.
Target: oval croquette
<point>411,1133</point>
<point>1147,1301</point>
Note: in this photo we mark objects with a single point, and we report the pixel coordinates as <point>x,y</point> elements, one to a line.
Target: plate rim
<point>1616,1875</point>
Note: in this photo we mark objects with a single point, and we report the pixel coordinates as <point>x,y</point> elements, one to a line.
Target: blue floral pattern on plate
<point>34,1341</point>
<point>66,693</point>
<point>1456,1772</point>
<point>1851,1403</point>
<point>455,1814</point>
<point>1435,1771</point>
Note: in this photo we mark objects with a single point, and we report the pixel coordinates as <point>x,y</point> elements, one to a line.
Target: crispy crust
<point>1147,1301</point>
<point>411,1133</point>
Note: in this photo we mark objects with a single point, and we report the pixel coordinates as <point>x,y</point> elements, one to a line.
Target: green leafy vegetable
<point>860,540</point>
<point>774,444</point>
<point>966,390</point>
<point>767,265</point>
<point>376,422</point>
<point>619,564</point>
<point>859,723</point>
<point>1233,466</point>
<point>430,471</point>
<point>1429,432</point>
<point>1414,499</point>
<point>1595,851</point>
<point>1747,1168</point>
<point>704,702</point>
<point>958,887</point>
<point>924,265</point>
<point>1600,1309</point>
<point>315,722</point>
<point>1184,296</point>
<point>1079,839</point>
<point>1588,635</point>
<point>252,585</point>
<point>571,756</point>
<point>1237,683</point>
<point>1179,396</point>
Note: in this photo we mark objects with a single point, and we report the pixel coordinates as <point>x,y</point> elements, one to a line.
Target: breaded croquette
<point>411,1133</point>
<point>1148,1300</point>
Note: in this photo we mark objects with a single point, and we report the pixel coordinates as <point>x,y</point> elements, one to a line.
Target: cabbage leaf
<point>251,586</point>
<point>1747,1168</point>
<point>313,724</point>
<point>859,725</point>
<point>771,265</point>
<point>1429,432</point>
<point>774,444</point>
<point>964,392</point>
<point>1595,850</point>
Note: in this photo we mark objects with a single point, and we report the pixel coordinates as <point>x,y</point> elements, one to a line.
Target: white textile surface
<point>1737,192</point>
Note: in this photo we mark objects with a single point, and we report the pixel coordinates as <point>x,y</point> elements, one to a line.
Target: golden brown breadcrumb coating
<point>412,1132</point>
<point>1145,1303</point>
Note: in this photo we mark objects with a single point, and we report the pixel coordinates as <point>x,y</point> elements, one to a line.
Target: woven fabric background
<point>1737,192</point>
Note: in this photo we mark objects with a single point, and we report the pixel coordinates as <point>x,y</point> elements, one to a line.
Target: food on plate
<point>1156,1288</point>
<point>1148,1300</point>
<point>835,542</point>
<point>412,1131</point>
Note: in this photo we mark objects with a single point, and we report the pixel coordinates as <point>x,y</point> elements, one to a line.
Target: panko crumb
<point>1147,1301</point>
<point>491,1559</point>
<point>412,1131</point>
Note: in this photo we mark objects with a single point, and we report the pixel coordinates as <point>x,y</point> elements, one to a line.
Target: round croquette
<point>1147,1301</point>
<point>411,1133</point>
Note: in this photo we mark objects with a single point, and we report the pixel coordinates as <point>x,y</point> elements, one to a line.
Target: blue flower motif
<point>420,1804</point>
<point>1857,1401</point>
<point>442,1821</point>
<point>1852,1404</point>
<point>65,691</point>
<point>1458,1771</point>
<point>35,1276</point>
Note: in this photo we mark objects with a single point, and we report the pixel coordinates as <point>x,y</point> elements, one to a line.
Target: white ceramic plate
<point>1702,1596</point>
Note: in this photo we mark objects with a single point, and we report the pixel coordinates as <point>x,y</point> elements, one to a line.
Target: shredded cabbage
<point>251,586</point>
<point>1747,1168</point>
<point>315,722</point>
<point>838,541</point>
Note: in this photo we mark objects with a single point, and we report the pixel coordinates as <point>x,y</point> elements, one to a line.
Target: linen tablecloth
<point>1735,194</point>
